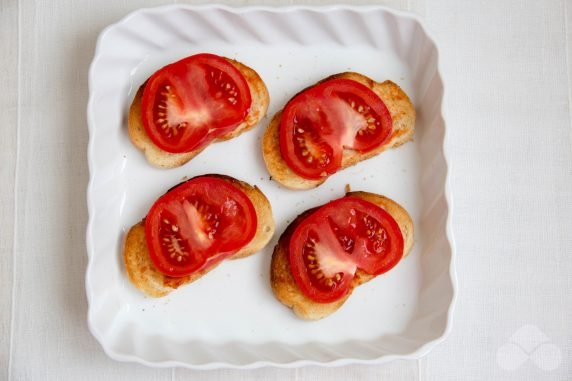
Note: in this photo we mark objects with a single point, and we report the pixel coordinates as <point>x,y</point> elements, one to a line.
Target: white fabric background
<point>507,67</point>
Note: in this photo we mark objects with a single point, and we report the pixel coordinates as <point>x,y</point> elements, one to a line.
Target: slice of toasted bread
<point>164,159</point>
<point>285,287</point>
<point>399,106</point>
<point>145,276</point>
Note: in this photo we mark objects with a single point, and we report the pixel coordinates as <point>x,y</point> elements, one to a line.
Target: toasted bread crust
<point>402,113</point>
<point>145,276</point>
<point>285,287</point>
<point>164,159</point>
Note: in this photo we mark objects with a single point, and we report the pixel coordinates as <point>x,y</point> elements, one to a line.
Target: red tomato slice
<point>189,103</point>
<point>328,246</point>
<point>318,123</point>
<point>200,221</point>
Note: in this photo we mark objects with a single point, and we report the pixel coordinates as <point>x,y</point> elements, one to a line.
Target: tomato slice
<point>189,103</point>
<point>199,222</point>
<point>328,246</point>
<point>318,123</point>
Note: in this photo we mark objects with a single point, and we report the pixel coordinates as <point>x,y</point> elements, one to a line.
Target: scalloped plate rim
<point>423,349</point>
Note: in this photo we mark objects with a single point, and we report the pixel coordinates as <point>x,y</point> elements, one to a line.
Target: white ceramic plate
<point>230,317</point>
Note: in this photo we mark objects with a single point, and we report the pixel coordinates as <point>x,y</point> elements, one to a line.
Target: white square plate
<point>230,317</point>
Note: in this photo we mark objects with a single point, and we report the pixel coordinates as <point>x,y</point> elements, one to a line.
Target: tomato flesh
<point>328,246</point>
<point>318,123</point>
<point>191,102</point>
<point>200,221</point>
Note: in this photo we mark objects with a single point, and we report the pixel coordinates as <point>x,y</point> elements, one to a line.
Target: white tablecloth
<point>507,67</point>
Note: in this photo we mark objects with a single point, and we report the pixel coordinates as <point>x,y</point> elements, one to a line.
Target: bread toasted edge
<point>163,159</point>
<point>285,287</point>
<point>402,113</point>
<point>145,276</point>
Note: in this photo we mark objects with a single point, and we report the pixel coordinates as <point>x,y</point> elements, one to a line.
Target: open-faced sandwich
<point>330,250</point>
<point>338,122</point>
<point>194,227</point>
<point>187,105</point>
